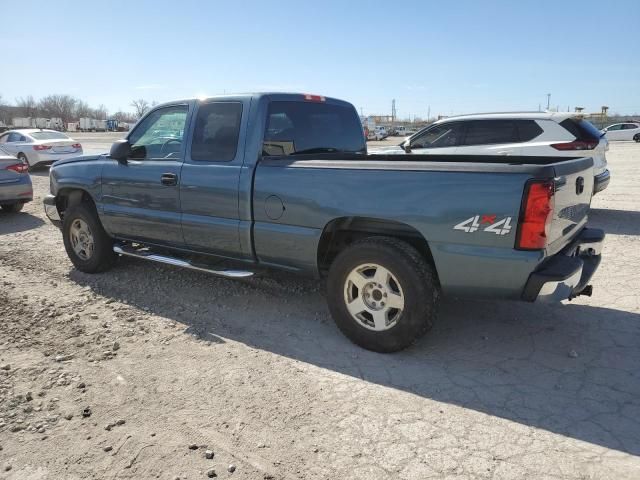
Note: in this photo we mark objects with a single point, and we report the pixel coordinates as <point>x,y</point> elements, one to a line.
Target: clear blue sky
<point>456,57</point>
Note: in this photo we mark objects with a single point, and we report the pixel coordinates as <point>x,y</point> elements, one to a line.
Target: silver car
<point>36,147</point>
<point>15,183</point>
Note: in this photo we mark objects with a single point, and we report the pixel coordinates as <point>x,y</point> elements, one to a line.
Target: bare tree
<point>124,117</point>
<point>141,106</point>
<point>62,106</point>
<point>82,109</point>
<point>101,112</point>
<point>4,112</point>
<point>27,106</point>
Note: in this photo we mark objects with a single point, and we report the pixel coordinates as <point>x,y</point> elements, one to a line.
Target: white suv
<point>527,134</point>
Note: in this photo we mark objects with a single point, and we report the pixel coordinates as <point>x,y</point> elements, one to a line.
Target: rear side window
<point>630,126</point>
<point>484,132</point>
<point>581,129</point>
<point>528,130</point>
<point>16,137</point>
<point>310,127</point>
<point>215,136</point>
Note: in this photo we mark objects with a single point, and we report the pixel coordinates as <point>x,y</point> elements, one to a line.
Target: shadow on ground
<point>619,222</point>
<point>18,222</point>
<point>570,369</point>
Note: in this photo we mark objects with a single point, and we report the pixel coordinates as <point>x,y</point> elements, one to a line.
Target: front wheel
<point>636,137</point>
<point>382,294</point>
<point>88,246</point>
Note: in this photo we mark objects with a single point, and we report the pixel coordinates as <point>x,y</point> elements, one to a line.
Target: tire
<point>13,207</point>
<point>88,246</point>
<point>411,293</point>
<point>636,137</point>
<point>23,158</point>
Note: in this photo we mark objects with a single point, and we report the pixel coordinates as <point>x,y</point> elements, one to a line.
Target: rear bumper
<point>16,192</point>
<point>51,210</point>
<point>601,181</point>
<point>567,274</point>
<point>42,158</point>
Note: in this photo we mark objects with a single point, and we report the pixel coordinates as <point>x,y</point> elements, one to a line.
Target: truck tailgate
<point>573,185</point>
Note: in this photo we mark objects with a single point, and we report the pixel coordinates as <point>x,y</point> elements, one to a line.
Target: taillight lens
<point>537,212</point>
<point>77,146</point>
<point>576,145</point>
<point>18,168</point>
<point>41,147</point>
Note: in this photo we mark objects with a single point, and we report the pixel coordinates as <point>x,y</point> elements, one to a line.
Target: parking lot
<point>256,371</point>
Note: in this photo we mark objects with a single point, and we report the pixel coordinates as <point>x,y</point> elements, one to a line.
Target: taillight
<point>77,146</point>
<point>18,168</point>
<point>314,98</point>
<point>536,215</point>
<point>576,145</point>
<point>41,147</point>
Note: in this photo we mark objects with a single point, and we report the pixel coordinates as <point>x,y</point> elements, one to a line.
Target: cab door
<point>209,186</point>
<point>141,196</point>
<point>615,132</point>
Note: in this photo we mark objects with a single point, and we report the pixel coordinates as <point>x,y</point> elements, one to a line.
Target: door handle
<point>169,179</point>
<point>505,152</point>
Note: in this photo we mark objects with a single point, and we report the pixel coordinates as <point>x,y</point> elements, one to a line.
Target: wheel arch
<point>341,232</point>
<point>70,196</point>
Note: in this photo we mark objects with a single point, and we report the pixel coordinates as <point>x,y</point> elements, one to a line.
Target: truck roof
<point>277,96</point>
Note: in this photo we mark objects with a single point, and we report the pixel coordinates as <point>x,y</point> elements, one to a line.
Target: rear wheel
<point>382,294</point>
<point>13,207</point>
<point>88,246</point>
<point>23,158</point>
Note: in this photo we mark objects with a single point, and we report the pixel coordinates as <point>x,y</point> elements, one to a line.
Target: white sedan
<point>39,147</point>
<point>623,131</point>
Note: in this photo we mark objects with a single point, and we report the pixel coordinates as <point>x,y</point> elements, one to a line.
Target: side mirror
<point>120,150</point>
<point>406,146</point>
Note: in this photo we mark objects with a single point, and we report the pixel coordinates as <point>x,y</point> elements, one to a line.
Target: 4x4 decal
<point>485,223</point>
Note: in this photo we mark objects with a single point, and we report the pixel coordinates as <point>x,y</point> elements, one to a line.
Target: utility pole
<point>393,111</point>
<point>428,113</point>
<point>548,100</point>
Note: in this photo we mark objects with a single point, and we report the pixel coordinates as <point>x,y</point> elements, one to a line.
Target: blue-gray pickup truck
<point>284,181</point>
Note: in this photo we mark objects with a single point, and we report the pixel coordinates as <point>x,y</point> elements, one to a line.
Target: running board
<point>154,257</point>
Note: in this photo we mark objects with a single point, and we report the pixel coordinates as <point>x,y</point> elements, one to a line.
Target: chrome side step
<point>154,257</point>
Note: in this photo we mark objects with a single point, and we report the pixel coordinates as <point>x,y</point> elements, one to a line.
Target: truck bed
<point>430,194</point>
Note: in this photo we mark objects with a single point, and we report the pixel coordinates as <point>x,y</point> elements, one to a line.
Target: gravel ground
<point>135,373</point>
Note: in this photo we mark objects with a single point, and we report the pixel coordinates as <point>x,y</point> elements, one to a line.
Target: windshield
<point>49,136</point>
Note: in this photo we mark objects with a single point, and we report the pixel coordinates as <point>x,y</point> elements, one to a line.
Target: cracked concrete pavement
<point>257,371</point>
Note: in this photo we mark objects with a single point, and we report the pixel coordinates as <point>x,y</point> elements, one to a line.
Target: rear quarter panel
<point>431,201</point>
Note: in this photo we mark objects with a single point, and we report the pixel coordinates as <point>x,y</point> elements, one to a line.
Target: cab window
<point>216,132</point>
<point>160,134</point>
